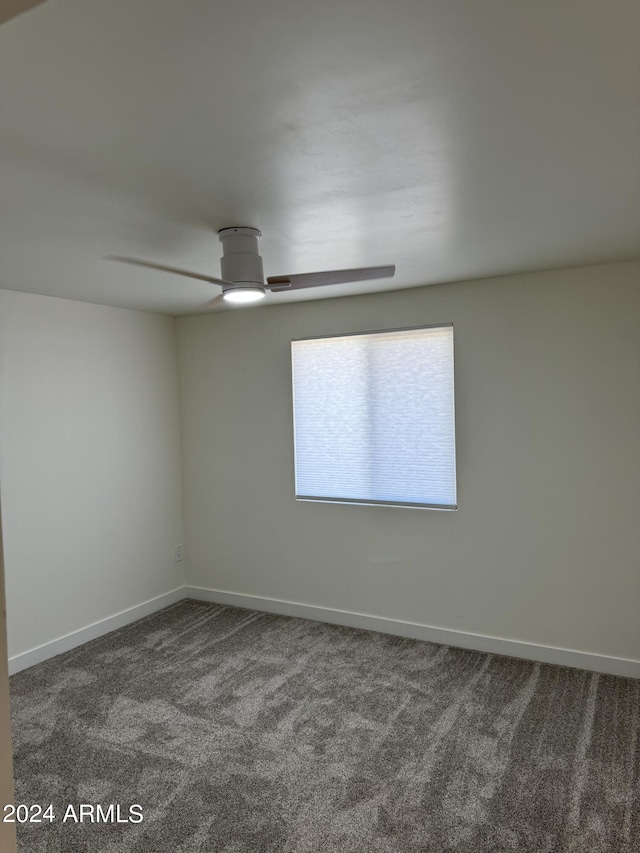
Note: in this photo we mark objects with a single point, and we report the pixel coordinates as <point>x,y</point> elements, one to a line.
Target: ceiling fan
<point>243,276</point>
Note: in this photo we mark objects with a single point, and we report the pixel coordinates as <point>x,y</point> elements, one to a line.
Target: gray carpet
<point>240,732</point>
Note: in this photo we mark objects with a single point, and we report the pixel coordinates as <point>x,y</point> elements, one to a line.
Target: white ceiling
<point>457,139</point>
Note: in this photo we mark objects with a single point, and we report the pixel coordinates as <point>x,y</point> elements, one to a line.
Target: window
<point>374,418</point>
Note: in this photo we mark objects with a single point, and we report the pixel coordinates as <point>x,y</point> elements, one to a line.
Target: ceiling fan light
<point>243,294</point>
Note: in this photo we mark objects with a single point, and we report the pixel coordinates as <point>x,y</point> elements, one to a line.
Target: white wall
<point>89,463</point>
<point>545,546</point>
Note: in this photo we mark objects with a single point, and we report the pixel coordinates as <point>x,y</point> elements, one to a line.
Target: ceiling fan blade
<point>174,270</point>
<point>320,279</point>
<point>213,303</point>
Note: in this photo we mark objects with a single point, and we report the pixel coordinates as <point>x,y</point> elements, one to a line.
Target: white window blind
<point>374,418</point>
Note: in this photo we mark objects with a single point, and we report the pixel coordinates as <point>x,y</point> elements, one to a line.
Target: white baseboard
<point>461,639</point>
<point>91,632</point>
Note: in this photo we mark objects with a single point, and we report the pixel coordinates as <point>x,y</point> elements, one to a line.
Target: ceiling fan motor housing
<point>241,261</point>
